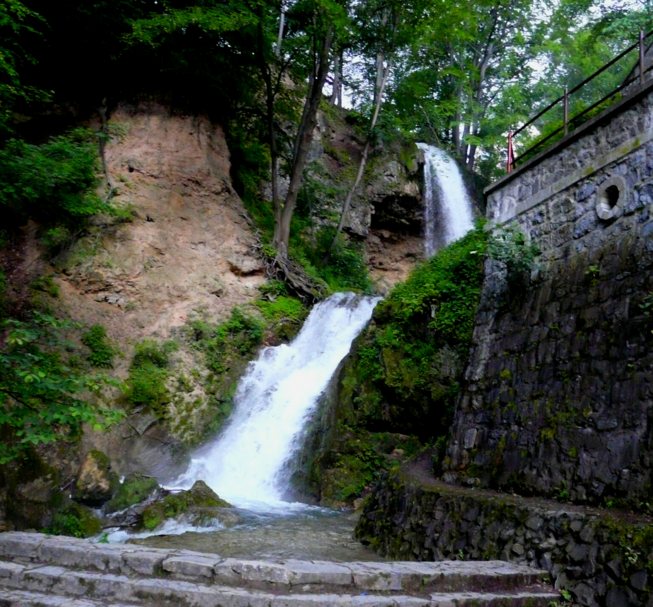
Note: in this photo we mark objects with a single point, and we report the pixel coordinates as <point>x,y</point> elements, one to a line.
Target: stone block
<point>193,566</point>
<point>142,561</point>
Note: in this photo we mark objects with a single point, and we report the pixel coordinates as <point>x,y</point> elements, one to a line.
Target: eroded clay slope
<point>187,248</point>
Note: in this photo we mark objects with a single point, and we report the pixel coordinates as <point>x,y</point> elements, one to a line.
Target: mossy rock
<point>176,504</point>
<point>96,482</point>
<point>75,520</point>
<point>135,488</point>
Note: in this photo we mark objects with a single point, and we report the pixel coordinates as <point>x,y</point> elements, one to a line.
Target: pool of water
<point>298,532</point>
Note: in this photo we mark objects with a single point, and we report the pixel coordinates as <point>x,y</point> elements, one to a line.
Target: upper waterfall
<point>448,208</point>
<point>274,401</point>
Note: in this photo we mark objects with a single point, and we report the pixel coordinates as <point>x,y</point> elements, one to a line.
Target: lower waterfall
<point>273,402</point>
<point>448,209</point>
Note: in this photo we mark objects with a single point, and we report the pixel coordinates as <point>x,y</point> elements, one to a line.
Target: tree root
<point>280,267</point>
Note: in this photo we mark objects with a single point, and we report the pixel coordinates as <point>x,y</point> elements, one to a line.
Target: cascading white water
<point>273,402</point>
<point>443,183</point>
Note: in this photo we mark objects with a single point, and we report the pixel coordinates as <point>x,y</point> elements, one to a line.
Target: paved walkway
<point>38,570</point>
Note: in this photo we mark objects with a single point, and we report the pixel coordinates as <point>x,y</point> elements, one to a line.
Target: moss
<point>45,284</point>
<point>200,496</point>
<point>148,373</point>
<point>75,520</point>
<point>133,490</point>
<point>282,308</point>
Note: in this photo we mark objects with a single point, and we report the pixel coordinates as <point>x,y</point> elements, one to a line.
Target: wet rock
<point>207,516</point>
<point>617,597</point>
<point>133,490</point>
<point>175,505</point>
<point>638,580</point>
<point>31,505</point>
<point>96,482</point>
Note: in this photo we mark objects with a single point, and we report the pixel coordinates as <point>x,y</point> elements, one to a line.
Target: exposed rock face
<point>96,482</point>
<point>144,277</point>
<point>183,251</point>
<point>386,211</point>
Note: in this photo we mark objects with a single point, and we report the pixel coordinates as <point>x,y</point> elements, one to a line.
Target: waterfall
<point>274,401</point>
<point>448,209</point>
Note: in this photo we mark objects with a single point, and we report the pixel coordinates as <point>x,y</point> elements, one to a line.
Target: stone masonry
<point>558,394</point>
<point>42,571</point>
<point>598,557</point>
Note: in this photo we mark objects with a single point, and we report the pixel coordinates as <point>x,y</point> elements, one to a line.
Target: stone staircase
<point>47,571</point>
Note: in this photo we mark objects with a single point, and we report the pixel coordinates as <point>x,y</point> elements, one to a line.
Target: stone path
<point>47,571</point>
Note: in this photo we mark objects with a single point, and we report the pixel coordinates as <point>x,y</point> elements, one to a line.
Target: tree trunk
<point>103,138</point>
<point>272,135</point>
<point>303,145</point>
<point>363,162</point>
<point>336,81</point>
<point>464,147</point>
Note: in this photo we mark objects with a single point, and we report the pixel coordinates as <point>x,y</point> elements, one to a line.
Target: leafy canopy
<point>43,399</point>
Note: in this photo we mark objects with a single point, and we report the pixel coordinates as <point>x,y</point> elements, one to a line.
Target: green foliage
<point>509,246</point>
<point>76,521</point>
<point>148,373</point>
<point>226,349</point>
<point>4,301</point>
<point>50,182</point>
<point>282,308</point>
<point>102,353</point>
<point>236,337</point>
<point>40,394</point>
<point>402,375</point>
<point>45,284</point>
<point>405,370</point>
<point>345,269</point>
<point>443,292</point>
<point>18,24</point>
<point>273,288</point>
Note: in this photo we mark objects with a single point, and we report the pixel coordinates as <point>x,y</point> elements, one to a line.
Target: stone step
<point>21,598</point>
<point>87,588</point>
<point>283,576</point>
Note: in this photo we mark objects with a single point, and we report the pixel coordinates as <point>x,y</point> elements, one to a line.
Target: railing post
<point>566,110</point>
<point>641,56</point>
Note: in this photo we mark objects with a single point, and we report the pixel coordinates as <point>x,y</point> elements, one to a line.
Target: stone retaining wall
<point>600,559</point>
<point>558,393</point>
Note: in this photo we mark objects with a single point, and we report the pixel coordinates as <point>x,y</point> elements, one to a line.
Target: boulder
<point>96,482</point>
<point>134,489</point>
<point>182,505</point>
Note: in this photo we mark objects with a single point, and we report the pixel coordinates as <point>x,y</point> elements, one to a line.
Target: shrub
<point>509,246</point>
<point>282,308</point>
<point>102,353</point>
<point>50,182</point>
<point>148,373</point>
<point>76,521</point>
<point>40,393</point>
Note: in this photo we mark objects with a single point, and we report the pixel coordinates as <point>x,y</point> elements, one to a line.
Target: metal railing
<point>638,72</point>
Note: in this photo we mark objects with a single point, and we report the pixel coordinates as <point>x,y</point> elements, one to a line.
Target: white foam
<point>442,176</point>
<point>273,402</point>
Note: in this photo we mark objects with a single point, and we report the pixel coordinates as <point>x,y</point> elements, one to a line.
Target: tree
<point>42,398</point>
<point>18,26</point>
<point>321,21</point>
